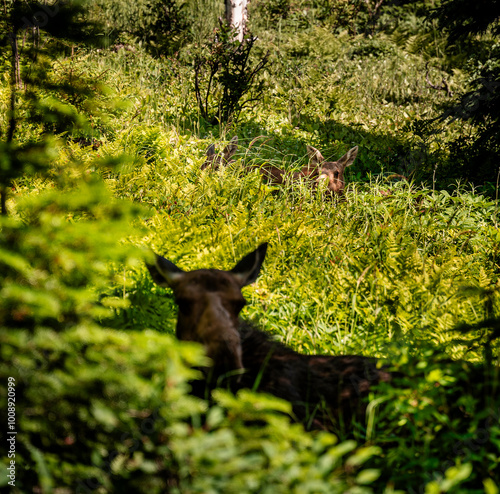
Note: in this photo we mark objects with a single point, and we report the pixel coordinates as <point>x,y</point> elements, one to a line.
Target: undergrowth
<point>405,269</point>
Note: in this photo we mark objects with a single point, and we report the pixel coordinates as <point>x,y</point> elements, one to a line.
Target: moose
<point>317,170</point>
<point>324,390</point>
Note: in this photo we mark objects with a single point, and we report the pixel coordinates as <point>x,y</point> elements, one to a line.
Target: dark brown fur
<point>321,388</point>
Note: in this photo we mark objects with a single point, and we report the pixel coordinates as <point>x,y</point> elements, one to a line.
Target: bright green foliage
<point>272,456</point>
<point>383,265</point>
<point>93,407</point>
<point>55,259</point>
<point>401,271</point>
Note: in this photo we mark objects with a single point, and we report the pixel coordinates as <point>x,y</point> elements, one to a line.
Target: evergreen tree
<point>476,158</point>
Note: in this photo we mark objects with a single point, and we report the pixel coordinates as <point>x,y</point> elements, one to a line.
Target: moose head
<point>210,301</point>
<point>331,171</point>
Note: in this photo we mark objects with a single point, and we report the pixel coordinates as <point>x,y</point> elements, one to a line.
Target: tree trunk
<point>236,16</point>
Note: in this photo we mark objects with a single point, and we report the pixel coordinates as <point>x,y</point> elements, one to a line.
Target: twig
<point>444,84</point>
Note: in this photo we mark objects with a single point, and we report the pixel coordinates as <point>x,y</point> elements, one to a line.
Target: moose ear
<point>349,157</point>
<point>247,270</point>
<point>210,150</point>
<point>231,148</point>
<point>314,155</point>
<point>164,272</point>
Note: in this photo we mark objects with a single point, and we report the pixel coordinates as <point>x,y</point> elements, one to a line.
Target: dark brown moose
<point>317,170</point>
<point>322,389</point>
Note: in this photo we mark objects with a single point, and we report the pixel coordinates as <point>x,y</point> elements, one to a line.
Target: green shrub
<point>225,79</point>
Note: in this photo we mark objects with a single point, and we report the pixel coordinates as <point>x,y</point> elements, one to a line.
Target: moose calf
<point>317,170</point>
<point>324,390</point>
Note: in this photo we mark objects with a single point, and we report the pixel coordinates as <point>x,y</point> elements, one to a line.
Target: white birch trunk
<point>236,16</point>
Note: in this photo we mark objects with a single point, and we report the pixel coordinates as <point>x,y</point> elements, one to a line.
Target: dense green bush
<point>225,80</point>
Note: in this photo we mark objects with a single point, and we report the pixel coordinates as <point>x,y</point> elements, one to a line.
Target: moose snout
<point>331,184</point>
<point>216,329</point>
<point>337,186</point>
<point>214,316</point>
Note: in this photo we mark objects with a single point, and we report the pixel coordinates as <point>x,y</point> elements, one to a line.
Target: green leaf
<point>367,476</point>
